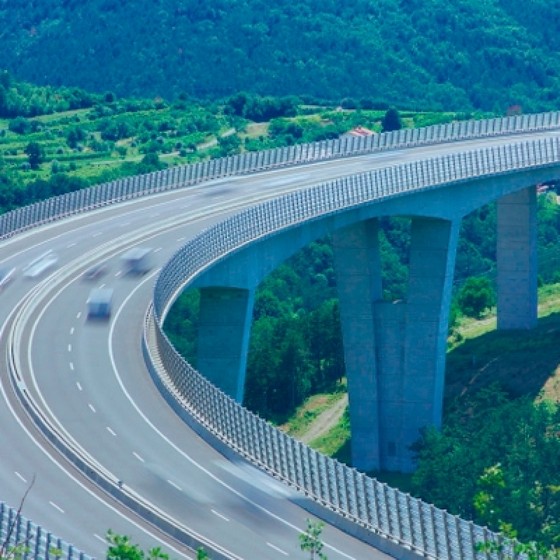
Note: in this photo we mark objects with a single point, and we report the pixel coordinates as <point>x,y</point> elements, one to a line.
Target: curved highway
<point>89,377</point>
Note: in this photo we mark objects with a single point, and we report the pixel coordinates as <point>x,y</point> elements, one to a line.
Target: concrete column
<point>413,378</point>
<point>517,260</point>
<point>389,341</point>
<point>358,273</point>
<point>223,337</point>
<point>394,352</point>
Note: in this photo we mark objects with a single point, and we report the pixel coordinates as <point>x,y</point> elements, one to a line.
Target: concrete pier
<point>223,337</point>
<point>394,352</point>
<point>517,260</point>
<point>358,271</point>
<point>432,263</point>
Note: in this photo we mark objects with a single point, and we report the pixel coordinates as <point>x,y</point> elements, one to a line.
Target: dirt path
<point>325,421</point>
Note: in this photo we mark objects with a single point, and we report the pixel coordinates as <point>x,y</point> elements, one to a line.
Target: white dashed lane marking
<point>20,477</point>
<point>277,549</point>
<point>56,507</point>
<point>219,515</point>
<point>174,485</point>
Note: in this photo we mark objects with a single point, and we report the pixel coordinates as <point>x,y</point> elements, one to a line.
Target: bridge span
<point>434,175</point>
<point>394,351</point>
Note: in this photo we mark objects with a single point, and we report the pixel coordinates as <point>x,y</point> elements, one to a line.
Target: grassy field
<point>525,362</point>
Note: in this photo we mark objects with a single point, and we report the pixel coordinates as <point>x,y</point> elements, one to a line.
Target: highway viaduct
<point>394,351</point>
<point>446,195</point>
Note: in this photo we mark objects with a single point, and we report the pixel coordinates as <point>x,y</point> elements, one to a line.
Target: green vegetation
<point>464,55</point>
<point>97,138</point>
<point>476,296</point>
<point>122,548</point>
<point>310,541</point>
<point>495,462</point>
<point>57,152</point>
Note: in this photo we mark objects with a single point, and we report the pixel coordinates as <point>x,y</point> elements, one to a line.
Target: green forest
<point>430,54</point>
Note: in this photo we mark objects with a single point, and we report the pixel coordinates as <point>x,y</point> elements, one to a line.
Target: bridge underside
<point>394,352</point>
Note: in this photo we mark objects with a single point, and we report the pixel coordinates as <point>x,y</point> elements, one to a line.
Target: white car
<point>40,265</point>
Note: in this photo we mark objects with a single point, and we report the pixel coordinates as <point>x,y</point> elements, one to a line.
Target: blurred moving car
<point>6,276</point>
<point>40,265</point>
<point>137,261</point>
<point>99,303</point>
<point>95,272</point>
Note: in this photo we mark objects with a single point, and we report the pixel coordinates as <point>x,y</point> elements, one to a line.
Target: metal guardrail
<point>369,503</point>
<point>23,539</point>
<point>250,162</point>
<point>414,524</point>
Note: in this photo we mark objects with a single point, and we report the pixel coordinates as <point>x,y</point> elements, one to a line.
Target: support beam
<point>432,263</point>
<point>223,337</point>
<point>358,273</point>
<point>517,260</point>
<point>394,352</point>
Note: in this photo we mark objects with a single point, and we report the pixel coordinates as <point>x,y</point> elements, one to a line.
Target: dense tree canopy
<point>487,54</point>
<point>496,461</point>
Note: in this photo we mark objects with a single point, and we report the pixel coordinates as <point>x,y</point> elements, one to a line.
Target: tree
<point>310,541</point>
<point>19,125</point>
<point>150,162</point>
<point>34,153</point>
<point>229,145</point>
<point>475,296</point>
<point>74,136</point>
<point>391,121</point>
<point>122,548</point>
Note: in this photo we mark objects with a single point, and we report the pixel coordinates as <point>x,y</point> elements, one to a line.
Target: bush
<point>476,296</point>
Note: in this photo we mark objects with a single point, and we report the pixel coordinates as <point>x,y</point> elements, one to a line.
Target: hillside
<point>54,140</point>
<point>428,54</point>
